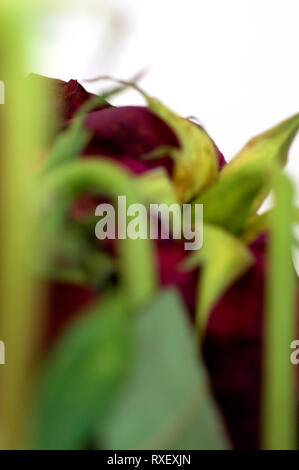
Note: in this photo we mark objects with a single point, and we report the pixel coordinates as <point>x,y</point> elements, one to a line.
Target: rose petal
<point>128,133</point>
<point>68,97</point>
<point>171,254</point>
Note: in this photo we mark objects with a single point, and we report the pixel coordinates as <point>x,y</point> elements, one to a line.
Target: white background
<point>232,63</point>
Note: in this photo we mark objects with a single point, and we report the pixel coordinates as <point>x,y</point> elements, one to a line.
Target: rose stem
<point>21,137</point>
<point>279,405</point>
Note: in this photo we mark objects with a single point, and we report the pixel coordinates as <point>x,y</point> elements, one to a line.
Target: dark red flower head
<point>233,340</point>
<point>128,133</point>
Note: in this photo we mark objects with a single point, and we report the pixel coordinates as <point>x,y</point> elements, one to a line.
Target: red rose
<point>126,134</point>
<point>233,341</point>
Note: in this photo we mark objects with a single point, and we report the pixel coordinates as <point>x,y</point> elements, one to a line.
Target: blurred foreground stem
<point>21,132</point>
<point>279,405</point>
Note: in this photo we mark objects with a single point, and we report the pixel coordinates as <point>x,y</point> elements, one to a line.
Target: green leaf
<point>264,151</point>
<point>82,376</point>
<point>228,203</point>
<point>166,395</point>
<point>224,259</point>
<point>156,187</point>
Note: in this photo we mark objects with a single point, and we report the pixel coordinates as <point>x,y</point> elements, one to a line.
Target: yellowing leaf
<point>196,165</point>
<point>224,259</point>
<point>255,226</point>
<point>263,151</point>
<point>195,162</point>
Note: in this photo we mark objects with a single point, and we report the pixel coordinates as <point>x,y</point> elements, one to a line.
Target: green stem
<point>20,138</point>
<point>106,178</point>
<point>279,404</point>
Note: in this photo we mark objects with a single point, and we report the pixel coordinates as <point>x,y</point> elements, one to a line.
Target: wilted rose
<point>233,340</point>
